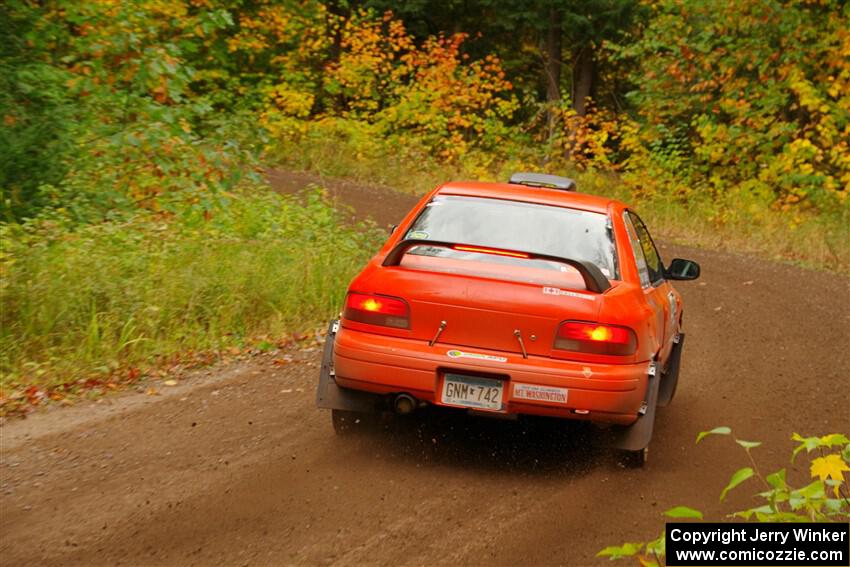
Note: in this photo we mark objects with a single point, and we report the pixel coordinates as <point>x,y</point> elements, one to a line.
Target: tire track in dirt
<point>239,468</point>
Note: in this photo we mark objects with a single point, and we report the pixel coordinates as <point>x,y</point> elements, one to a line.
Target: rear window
<point>526,227</point>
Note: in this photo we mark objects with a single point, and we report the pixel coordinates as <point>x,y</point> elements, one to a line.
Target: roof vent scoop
<point>543,180</point>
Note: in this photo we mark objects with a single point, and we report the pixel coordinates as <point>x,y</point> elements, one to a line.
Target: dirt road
<point>236,467</point>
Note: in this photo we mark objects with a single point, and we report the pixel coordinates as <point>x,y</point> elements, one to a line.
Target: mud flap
<point>636,437</point>
<point>670,378</point>
<point>331,396</point>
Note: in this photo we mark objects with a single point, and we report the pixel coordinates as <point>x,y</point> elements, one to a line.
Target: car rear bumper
<point>610,393</point>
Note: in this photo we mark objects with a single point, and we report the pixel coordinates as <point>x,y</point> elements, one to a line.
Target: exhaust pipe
<point>404,404</point>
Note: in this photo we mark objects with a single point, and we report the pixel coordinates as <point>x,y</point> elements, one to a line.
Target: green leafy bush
<point>825,499</point>
<point>37,130</point>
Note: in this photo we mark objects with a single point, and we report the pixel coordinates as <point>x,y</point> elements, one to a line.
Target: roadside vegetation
<point>825,496</point>
<point>136,223</point>
<point>103,303</point>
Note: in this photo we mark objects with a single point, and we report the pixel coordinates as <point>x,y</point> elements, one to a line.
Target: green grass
<point>817,239</point>
<point>113,295</point>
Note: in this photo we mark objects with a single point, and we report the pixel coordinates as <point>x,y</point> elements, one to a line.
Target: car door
<point>660,295</point>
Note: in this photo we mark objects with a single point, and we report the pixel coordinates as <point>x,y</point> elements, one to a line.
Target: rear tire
<point>634,459</point>
<point>348,422</point>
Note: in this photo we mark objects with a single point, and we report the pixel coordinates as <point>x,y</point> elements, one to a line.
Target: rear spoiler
<point>594,279</point>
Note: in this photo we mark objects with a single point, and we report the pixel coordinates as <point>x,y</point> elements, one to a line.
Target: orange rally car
<point>519,298</point>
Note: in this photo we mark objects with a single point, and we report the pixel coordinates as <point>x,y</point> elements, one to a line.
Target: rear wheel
<point>347,422</point>
<point>634,459</point>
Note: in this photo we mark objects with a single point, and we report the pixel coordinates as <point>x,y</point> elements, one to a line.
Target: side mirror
<point>682,270</point>
<point>392,228</point>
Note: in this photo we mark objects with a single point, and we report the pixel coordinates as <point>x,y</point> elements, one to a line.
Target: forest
<point>137,225</point>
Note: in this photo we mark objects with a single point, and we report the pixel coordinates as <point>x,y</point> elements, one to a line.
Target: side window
<point>640,260</point>
<point>650,252</point>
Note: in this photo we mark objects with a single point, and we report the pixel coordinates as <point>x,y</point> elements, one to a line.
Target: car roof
<point>541,195</point>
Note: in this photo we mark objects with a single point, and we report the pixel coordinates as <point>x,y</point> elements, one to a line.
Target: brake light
<point>377,310</point>
<point>593,338</point>
<point>494,251</point>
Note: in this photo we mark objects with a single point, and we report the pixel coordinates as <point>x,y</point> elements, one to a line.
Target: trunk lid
<point>484,309</point>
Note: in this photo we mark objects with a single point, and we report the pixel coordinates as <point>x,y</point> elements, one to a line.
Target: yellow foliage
<point>830,466</point>
<point>586,140</point>
<point>415,95</point>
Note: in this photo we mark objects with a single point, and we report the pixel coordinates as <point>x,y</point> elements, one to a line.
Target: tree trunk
<point>583,69</point>
<point>552,68</point>
<point>337,14</point>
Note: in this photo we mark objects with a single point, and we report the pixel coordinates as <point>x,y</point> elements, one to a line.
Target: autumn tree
<point>751,96</point>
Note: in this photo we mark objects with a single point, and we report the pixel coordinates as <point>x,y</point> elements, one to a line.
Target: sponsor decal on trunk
<point>475,355</point>
<point>540,393</point>
<point>558,291</point>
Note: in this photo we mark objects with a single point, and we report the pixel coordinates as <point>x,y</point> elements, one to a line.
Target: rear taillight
<point>593,338</point>
<point>377,310</point>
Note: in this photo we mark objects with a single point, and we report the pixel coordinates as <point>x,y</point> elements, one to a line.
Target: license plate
<point>472,392</point>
